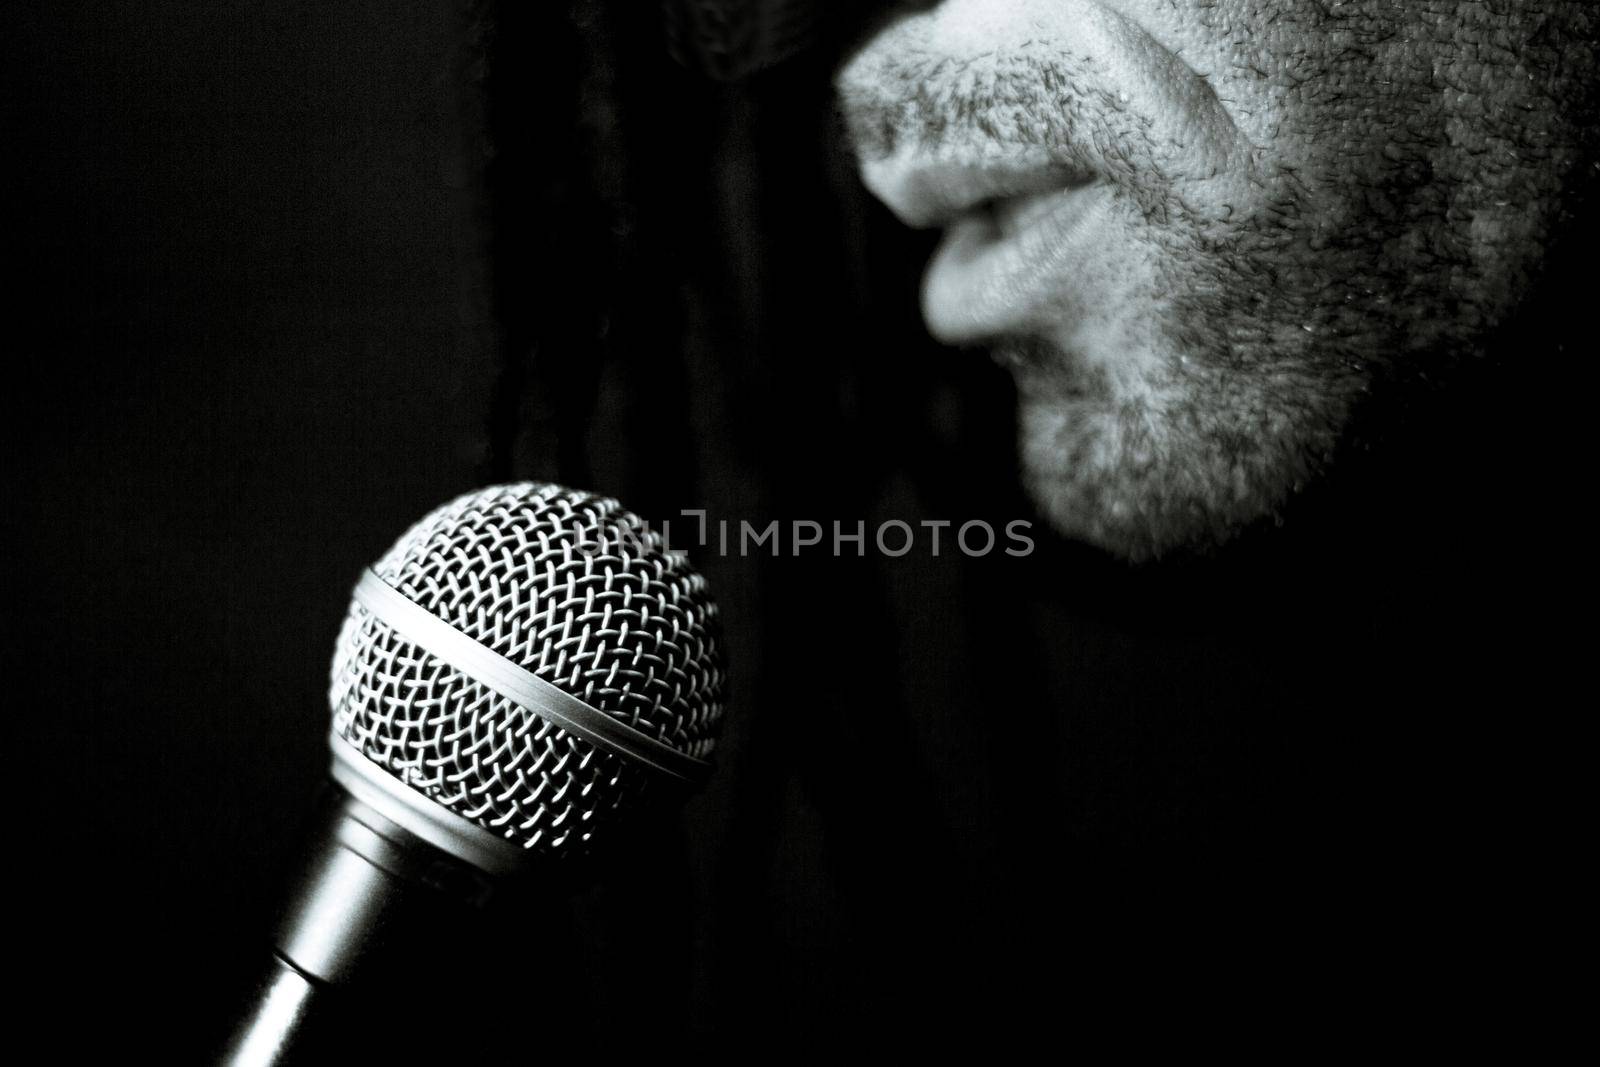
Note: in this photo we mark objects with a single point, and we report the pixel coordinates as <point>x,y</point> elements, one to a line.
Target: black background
<point>289,275</point>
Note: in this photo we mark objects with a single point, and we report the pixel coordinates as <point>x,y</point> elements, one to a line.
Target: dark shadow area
<point>293,274</point>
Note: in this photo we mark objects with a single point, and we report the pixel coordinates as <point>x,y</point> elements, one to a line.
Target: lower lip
<point>994,274</point>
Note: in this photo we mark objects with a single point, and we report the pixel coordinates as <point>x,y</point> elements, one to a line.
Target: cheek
<point>1333,95</point>
<point>1253,54</point>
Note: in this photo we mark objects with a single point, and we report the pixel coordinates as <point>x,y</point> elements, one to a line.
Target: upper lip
<point>939,135</point>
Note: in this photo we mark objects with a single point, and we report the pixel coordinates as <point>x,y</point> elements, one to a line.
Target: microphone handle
<point>277,1025</point>
<point>370,892</point>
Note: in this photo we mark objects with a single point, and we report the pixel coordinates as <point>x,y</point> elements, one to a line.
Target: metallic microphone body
<point>526,667</point>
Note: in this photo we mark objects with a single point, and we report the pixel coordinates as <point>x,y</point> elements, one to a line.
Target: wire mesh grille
<point>577,591</point>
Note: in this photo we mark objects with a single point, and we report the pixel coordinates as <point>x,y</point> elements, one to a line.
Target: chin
<point>1181,466</point>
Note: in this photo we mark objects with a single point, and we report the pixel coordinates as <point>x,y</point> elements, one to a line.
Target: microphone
<point>524,669</point>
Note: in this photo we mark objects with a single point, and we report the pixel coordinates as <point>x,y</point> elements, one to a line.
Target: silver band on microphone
<point>494,671</point>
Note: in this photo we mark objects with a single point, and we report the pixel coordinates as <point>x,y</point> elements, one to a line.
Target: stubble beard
<point>1243,401</point>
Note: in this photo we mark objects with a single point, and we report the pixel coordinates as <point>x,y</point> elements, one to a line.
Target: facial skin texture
<point>1199,233</point>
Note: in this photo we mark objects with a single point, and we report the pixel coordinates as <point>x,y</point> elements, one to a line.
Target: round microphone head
<point>580,672</point>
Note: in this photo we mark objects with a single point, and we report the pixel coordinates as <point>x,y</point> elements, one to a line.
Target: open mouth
<point>1008,219</point>
<point>1015,215</point>
<point>1041,146</point>
<point>927,191</point>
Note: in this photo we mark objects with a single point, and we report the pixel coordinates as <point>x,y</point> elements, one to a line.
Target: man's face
<point>1198,231</point>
